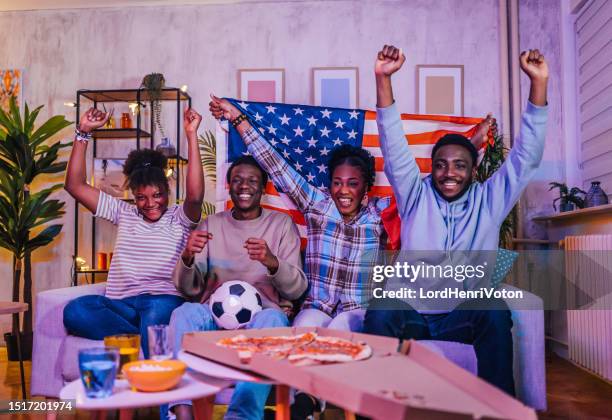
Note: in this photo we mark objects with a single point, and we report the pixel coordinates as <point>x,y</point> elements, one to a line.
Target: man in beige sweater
<point>248,243</point>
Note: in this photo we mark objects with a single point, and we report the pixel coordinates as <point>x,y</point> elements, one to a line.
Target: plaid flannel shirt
<point>339,255</point>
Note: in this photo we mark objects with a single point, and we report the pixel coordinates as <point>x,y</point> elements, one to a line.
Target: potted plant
<point>568,198</point>
<point>25,214</point>
<point>492,159</point>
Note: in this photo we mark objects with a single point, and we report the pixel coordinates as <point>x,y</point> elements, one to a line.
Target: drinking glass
<point>159,342</point>
<point>129,348</point>
<point>98,367</point>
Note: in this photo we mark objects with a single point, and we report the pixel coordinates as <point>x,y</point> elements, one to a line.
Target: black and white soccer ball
<point>234,304</point>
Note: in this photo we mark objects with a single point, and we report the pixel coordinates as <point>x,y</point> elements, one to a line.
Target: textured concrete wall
<point>203,46</point>
<point>540,27</point>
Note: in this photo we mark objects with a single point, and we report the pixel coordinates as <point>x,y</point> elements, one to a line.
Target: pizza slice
<point>277,347</point>
<point>329,350</point>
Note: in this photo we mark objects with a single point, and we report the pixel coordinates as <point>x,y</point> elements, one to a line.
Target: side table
<point>192,387</point>
<point>9,308</point>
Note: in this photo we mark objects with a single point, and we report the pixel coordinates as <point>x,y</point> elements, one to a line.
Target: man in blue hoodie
<point>447,211</point>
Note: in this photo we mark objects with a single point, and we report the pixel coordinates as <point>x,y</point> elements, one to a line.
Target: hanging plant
<point>153,84</point>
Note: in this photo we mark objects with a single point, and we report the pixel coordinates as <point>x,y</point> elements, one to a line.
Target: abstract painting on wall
<point>11,85</point>
<point>335,87</point>
<point>261,85</point>
<point>440,89</point>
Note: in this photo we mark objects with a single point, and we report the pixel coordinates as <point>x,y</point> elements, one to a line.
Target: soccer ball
<point>234,303</point>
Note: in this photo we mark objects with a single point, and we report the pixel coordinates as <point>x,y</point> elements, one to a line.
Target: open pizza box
<point>411,382</point>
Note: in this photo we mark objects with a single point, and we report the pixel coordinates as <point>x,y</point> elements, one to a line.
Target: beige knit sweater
<point>224,258</point>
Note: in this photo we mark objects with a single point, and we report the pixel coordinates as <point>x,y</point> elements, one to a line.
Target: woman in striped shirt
<point>150,237</point>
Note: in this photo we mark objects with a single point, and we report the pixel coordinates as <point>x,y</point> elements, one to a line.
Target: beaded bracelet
<point>236,121</point>
<point>82,136</point>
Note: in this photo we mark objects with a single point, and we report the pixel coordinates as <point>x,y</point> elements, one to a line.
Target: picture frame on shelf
<point>336,87</point>
<point>261,85</point>
<point>440,89</point>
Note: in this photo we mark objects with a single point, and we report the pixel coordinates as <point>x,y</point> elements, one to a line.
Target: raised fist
<point>389,60</point>
<point>222,108</point>
<point>191,120</point>
<point>92,119</point>
<point>534,65</point>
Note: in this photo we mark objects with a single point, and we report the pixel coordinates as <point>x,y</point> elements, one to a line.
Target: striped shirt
<point>339,254</point>
<point>145,253</point>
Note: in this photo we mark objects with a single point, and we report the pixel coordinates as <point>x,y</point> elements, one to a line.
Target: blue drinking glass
<point>98,367</point>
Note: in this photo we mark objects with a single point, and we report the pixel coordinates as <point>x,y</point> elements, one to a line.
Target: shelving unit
<point>141,97</point>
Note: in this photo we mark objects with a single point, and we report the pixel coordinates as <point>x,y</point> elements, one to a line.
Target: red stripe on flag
<point>271,189</point>
<point>371,115</point>
<point>423,163</point>
<point>381,191</point>
<point>430,137</point>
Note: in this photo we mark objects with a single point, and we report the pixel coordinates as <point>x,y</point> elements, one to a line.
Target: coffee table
<point>193,386</point>
<point>9,308</point>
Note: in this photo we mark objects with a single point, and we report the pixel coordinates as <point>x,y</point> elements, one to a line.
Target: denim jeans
<point>488,330</point>
<point>96,316</point>
<point>248,399</point>
<point>345,321</point>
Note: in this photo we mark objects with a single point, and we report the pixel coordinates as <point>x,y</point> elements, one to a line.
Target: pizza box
<point>413,382</point>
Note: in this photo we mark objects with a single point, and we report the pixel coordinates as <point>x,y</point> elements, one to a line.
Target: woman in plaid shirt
<point>345,230</point>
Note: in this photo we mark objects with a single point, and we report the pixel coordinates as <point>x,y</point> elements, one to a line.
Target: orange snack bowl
<point>154,376</point>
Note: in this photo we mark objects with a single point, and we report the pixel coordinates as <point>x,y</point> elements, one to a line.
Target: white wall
<point>203,46</point>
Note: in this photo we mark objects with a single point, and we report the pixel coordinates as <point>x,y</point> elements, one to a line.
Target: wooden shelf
<point>91,271</point>
<point>119,133</point>
<point>181,160</point>
<point>131,95</point>
<point>591,211</point>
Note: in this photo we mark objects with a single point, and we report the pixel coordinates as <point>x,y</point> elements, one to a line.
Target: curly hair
<point>146,167</point>
<point>353,156</point>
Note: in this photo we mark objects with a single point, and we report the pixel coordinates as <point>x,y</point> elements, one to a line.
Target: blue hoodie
<point>471,222</point>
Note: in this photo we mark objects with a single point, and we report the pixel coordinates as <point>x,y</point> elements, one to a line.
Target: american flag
<point>305,135</point>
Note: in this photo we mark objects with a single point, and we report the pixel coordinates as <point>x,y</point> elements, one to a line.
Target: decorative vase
<point>596,196</point>
<point>166,148</point>
<point>126,121</point>
<point>566,206</point>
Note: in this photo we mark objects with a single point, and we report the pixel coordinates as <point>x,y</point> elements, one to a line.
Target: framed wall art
<point>336,87</point>
<point>11,85</point>
<point>439,89</point>
<point>261,85</point>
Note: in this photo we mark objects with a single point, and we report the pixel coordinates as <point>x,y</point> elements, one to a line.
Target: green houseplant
<point>25,214</point>
<point>568,197</point>
<point>207,144</point>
